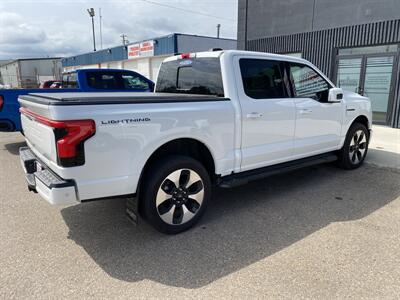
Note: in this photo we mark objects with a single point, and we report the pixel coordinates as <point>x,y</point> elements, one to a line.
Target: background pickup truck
<point>216,118</point>
<point>86,80</point>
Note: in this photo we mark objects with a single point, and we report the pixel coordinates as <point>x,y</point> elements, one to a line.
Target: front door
<point>318,122</point>
<point>370,76</point>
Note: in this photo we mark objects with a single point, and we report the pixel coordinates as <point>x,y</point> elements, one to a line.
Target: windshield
<point>191,76</point>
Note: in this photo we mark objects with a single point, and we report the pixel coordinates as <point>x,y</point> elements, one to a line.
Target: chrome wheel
<point>180,197</point>
<point>358,146</point>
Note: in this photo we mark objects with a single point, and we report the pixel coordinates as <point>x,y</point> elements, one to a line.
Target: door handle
<point>254,115</point>
<point>305,111</point>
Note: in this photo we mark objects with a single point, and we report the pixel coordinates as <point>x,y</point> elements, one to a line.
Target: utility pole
<point>91,14</point>
<point>218,29</point>
<point>101,33</point>
<point>124,40</point>
<point>245,25</point>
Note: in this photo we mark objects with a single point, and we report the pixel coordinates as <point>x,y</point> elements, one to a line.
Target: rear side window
<point>307,83</point>
<point>69,81</point>
<point>115,81</point>
<point>97,80</point>
<point>191,76</point>
<point>262,79</point>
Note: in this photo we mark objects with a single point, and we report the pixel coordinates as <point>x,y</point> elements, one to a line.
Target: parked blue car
<point>85,80</point>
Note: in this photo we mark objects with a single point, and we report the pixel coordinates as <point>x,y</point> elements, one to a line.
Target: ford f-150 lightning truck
<point>218,118</point>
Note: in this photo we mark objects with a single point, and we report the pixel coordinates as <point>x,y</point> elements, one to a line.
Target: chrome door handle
<point>305,111</point>
<point>254,115</point>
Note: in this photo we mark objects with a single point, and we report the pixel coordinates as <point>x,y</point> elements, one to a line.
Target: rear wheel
<point>175,193</point>
<point>355,147</point>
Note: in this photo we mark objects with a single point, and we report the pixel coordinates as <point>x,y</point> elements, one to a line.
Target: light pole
<point>101,33</point>
<point>91,14</point>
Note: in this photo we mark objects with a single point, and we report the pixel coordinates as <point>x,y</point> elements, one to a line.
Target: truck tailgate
<point>39,136</point>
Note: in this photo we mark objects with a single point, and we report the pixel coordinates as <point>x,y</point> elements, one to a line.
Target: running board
<point>247,176</point>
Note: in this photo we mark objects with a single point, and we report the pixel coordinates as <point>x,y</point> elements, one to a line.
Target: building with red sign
<point>146,56</point>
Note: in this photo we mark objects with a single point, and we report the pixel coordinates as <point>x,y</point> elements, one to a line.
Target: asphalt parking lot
<point>316,233</point>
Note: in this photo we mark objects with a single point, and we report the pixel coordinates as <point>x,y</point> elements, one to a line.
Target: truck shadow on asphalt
<point>241,226</point>
<point>13,148</point>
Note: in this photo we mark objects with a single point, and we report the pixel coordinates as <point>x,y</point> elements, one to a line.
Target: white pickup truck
<point>218,118</point>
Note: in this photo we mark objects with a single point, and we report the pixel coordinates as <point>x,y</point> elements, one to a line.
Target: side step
<point>247,176</point>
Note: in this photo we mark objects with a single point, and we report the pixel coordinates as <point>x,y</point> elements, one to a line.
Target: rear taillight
<point>1,102</point>
<point>70,137</point>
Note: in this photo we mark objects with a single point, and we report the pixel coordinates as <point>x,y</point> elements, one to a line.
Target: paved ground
<point>385,147</point>
<point>317,233</point>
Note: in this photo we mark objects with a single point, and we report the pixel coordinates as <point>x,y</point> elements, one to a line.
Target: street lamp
<point>91,14</point>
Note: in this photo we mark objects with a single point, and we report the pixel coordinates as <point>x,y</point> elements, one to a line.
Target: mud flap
<point>132,210</point>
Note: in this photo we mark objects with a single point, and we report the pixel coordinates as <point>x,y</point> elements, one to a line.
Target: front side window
<point>131,82</point>
<point>262,79</point>
<point>307,83</point>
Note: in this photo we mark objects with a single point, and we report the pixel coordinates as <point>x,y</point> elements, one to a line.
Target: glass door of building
<point>371,75</point>
<point>377,83</point>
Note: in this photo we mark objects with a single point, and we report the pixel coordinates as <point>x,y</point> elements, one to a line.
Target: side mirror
<point>335,95</point>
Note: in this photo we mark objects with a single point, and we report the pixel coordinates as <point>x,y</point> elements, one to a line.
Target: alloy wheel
<point>358,146</point>
<point>180,196</point>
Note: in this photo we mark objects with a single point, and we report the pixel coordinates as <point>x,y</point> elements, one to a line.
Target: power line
<point>187,10</point>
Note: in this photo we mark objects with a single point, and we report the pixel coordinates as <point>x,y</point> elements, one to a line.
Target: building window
<point>369,50</point>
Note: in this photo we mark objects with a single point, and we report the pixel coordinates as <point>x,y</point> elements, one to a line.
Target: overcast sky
<point>63,27</point>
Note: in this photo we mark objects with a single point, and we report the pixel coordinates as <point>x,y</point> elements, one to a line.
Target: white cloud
<point>63,28</point>
<point>14,31</point>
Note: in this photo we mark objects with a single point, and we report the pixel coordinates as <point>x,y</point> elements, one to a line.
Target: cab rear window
<point>70,81</point>
<point>191,76</point>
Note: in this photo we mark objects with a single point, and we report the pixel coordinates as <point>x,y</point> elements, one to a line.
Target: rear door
<point>318,122</point>
<point>268,114</point>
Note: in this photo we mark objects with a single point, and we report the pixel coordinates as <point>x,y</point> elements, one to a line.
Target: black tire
<point>158,181</point>
<point>354,149</point>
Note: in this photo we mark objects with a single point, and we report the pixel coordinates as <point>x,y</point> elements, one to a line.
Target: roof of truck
<point>236,52</point>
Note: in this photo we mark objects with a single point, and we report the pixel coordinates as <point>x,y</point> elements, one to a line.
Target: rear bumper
<point>44,181</point>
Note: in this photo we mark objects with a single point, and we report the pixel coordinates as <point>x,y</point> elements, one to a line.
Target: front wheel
<point>175,193</point>
<point>355,147</point>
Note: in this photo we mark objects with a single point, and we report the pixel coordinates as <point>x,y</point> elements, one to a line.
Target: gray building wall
<point>267,18</point>
<point>187,43</point>
<point>318,28</point>
<point>27,73</point>
<point>9,74</point>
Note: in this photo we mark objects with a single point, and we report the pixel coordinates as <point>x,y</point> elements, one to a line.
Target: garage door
<point>130,65</point>
<point>144,67</point>
<point>155,66</point>
<point>115,65</point>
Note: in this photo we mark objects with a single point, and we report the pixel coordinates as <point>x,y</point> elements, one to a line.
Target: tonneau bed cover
<point>115,98</point>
